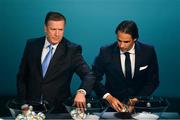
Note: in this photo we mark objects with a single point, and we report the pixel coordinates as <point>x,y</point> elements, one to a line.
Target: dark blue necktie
<point>47,60</point>
<point>128,66</point>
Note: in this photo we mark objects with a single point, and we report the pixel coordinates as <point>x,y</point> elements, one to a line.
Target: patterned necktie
<point>128,66</point>
<point>47,59</point>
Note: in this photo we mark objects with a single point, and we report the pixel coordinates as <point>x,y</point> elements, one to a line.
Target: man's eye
<point>123,41</point>
<point>126,41</point>
<point>119,40</point>
<point>53,29</point>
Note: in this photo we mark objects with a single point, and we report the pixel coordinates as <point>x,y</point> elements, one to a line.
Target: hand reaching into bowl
<point>116,104</point>
<point>80,101</point>
<point>131,104</point>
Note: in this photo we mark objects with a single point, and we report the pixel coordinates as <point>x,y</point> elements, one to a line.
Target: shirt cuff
<point>82,91</point>
<point>105,95</point>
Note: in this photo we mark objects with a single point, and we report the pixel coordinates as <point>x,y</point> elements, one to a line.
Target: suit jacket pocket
<point>143,67</point>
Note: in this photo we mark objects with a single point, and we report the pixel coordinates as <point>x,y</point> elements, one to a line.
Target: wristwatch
<point>82,91</point>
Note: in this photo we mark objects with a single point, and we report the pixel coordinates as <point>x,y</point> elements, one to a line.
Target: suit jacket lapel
<point>117,59</point>
<point>56,59</point>
<point>38,53</point>
<point>137,58</point>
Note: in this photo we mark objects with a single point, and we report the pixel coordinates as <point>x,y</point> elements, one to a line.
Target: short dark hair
<point>54,16</point>
<point>129,27</point>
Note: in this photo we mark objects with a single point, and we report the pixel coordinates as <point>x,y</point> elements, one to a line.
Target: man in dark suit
<point>141,78</point>
<point>53,84</point>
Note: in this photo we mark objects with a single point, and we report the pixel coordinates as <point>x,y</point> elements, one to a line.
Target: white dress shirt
<point>132,58</point>
<point>46,49</point>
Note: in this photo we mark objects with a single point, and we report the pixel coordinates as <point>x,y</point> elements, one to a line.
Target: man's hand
<point>116,104</point>
<point>131,104</point>
<point>80,101</point>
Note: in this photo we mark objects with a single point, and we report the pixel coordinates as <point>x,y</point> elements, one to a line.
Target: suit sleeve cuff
<point>105,95</point>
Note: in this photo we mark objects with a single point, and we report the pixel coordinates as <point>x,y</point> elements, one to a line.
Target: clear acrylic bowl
<point>95,109</point>
<point>151,104</point>
<point>14,106</point>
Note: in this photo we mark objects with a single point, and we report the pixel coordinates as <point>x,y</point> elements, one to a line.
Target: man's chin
<point>55,41</point>
<point>124,50</point>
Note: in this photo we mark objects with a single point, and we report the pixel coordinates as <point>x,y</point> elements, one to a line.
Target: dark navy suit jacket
<point>108,63</point>
<point>55,87</point>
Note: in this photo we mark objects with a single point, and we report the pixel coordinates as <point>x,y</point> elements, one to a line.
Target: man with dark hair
<point>130,68</point>
<point>48,64</point>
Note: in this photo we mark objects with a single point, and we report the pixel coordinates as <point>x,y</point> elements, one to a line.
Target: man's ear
<point>45,28</point>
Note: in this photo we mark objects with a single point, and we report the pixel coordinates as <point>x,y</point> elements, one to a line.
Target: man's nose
<point>122,45</point>
<point>57,33</point>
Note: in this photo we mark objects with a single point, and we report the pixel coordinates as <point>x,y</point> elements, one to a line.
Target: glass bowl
<point>151,104</point>
<point>15,105</point>
<point>95,109</point>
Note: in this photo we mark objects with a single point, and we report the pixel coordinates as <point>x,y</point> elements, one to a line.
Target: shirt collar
<point>46,44</point>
